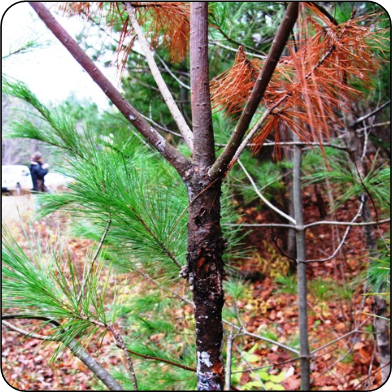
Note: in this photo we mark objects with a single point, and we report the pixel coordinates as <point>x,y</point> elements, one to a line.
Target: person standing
<point>38,170</point>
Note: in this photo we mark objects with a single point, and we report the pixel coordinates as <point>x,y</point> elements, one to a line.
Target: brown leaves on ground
<point>265,311</point>
<point>272,312</point>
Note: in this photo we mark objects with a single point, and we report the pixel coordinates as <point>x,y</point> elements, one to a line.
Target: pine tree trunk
<point>205,242</point>
<point>301,271</point>
<point>205,249</point>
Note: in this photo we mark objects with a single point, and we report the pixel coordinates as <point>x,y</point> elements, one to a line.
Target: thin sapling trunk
<point>301,270</point>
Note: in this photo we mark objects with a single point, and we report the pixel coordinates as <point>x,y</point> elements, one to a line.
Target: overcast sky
<point>50,71</point>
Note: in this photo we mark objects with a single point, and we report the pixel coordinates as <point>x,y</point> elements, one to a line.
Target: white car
<point>16,179</point>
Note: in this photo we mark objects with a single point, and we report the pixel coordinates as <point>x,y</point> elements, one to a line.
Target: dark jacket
<point>37,175</point>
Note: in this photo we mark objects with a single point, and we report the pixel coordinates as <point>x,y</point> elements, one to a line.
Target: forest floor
<point>337,307</point>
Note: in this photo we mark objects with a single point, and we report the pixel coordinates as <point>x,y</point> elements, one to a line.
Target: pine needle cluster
<point>311,83</point>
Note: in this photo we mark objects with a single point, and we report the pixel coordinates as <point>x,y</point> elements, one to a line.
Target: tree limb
<point>176,159</point>
<point>270,205</point>
<point>233,41</point>
<point>75,348</point>
<point>168,70</point>
<point>217,43</point>
<point>222,163</point>
<point>373,113</point>
<point>356,330</point>
<point>337,223</point>
<point>167,96</point>
<point>325,12</point>
<point>229,346</point>
<point>263,338</point>
<point>371,375</point>
<point>191,369</point>
<point>120,343</point>
<point>298,143</point>
<point>284,225</point>
<point>359,213</point>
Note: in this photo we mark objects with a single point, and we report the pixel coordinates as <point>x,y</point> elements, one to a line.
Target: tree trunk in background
<point>291,233</point>
<point>354,142</point>
<point>301,270</point>
<point>381,328</point>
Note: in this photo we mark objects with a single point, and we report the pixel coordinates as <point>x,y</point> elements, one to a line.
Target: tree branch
<point>166,94</point>
<point>29,334</point>
<point>191,369</point>
<point>242,354</point>
<point>177,160</point>
<point>229,346</point>
<point>371,375</point>
<point>284,225</point>
<point>357,329</point>
<point>373,113</point>
<point>75,348</point>
<point>264,339</point>
<point>374,126</point>
<point>270,205</point>
<point>287,143</point>
<point>120,343</point>
<point>325,12</point>
<point>168,70</point>
<point>359,213</point>
<point>221,165</point>
<point>233,41</point>
<point>352,223</point>
<point>217,43</point>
